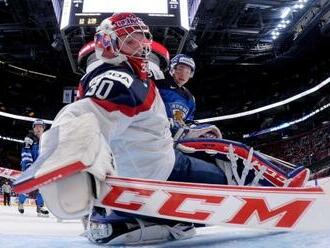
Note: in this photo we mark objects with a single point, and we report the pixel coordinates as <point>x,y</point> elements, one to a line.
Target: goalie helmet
<point>182,59</point>
<point>116,30</point>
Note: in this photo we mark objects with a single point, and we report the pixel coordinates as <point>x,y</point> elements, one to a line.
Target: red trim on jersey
<point>127,110</point>
<point>80,92</point>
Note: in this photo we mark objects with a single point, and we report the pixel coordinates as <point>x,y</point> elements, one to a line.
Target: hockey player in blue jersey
<point>29,154</point>
<point>179,102</point>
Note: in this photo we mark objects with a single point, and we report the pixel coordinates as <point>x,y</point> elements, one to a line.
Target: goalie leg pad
<point>248,167</point>
<point>70,198</point>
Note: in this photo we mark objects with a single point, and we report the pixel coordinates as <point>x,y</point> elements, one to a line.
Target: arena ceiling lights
<point>267,107</point>
<point>286,16</point>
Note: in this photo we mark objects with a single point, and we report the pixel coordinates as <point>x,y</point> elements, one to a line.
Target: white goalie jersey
<point>121,102</point>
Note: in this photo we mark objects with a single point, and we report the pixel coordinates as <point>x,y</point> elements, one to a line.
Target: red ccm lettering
<point>204,207</point>
<point>288,214</point>
<point>117,191</point>
<point>170,207</point>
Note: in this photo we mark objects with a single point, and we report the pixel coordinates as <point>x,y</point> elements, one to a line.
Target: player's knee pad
<point>71,197</point>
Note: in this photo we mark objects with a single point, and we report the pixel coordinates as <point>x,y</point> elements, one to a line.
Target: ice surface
<point>28,230</point>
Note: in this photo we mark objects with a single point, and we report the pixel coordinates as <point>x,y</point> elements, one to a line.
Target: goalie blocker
<point>71,167</point>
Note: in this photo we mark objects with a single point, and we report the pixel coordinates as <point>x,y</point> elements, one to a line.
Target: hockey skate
<point>20,208</point>
<point>42,212</point>
<point>136,231</point>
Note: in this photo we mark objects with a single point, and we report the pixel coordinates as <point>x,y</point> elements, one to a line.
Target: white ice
<point>28,230</point>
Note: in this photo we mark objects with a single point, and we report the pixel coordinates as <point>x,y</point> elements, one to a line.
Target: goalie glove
<point>195,131</point>
<point>28,141</point>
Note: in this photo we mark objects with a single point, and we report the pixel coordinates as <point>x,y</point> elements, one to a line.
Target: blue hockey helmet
<point>38,122</point>
<point>182,59</point>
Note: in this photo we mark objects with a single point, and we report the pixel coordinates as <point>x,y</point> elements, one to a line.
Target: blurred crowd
<point>310,149</point>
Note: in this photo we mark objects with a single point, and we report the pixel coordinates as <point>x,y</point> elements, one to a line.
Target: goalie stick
<point>229,205</point>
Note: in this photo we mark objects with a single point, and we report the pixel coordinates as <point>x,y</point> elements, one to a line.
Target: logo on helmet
<point>187,61</point>
<point>38,122</point>
<point>182,59</point>
<point>129,21</point>
<point>106,40</point>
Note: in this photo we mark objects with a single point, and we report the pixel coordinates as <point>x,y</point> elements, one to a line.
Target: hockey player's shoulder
<point>188,93</point>
<point>108,74</point>
<point>120,74</point>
